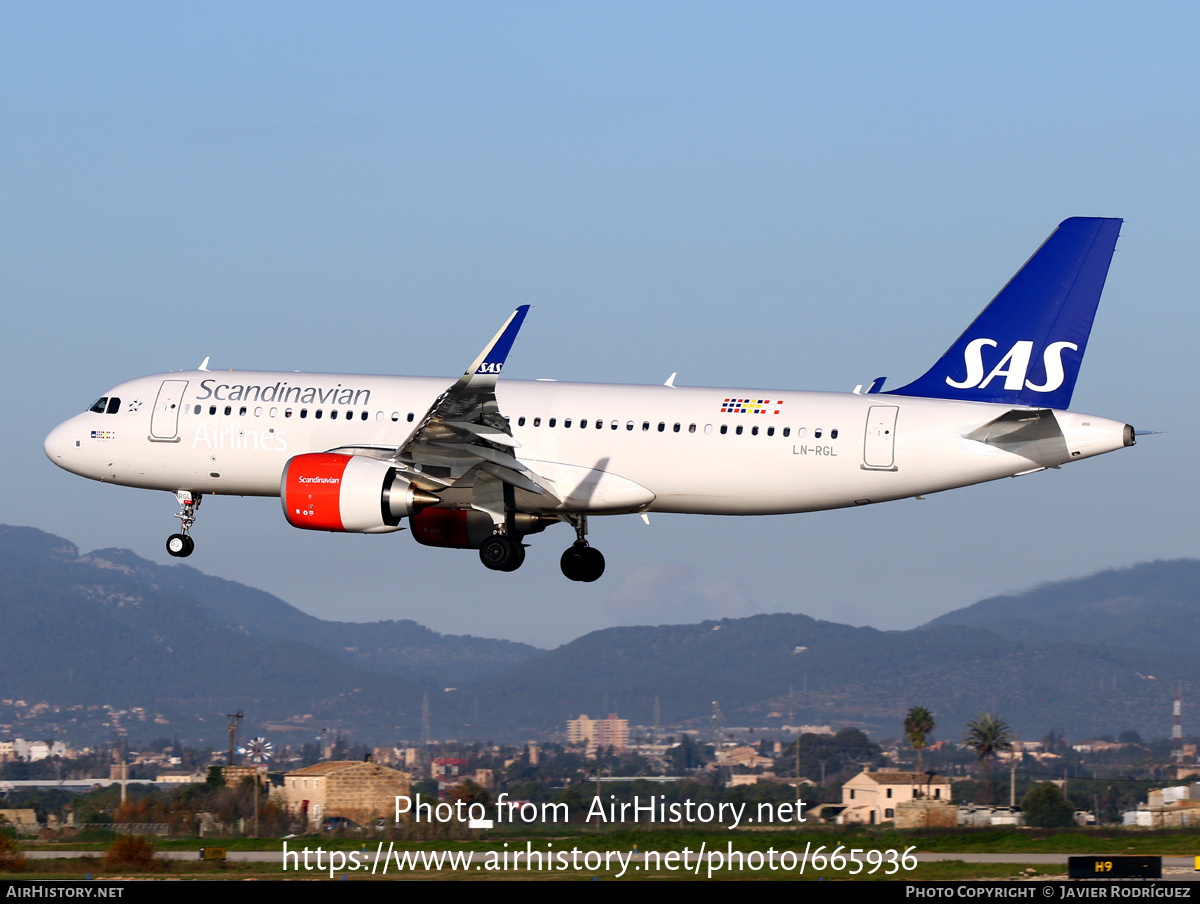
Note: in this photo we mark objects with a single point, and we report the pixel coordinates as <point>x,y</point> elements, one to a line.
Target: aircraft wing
<point>464,440</point>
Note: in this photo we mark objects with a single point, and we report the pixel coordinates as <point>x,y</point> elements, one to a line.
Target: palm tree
<point>918,726</point>
<point>987,734</point>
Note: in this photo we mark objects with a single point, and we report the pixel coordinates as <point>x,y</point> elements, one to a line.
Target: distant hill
<point>110,629</point>
<point>1151,606</point>
<point>96,637</point>
<point>755,666</point>
<point>402,648</point>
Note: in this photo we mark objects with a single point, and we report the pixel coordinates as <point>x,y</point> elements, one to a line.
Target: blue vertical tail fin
<point>1027,345</point>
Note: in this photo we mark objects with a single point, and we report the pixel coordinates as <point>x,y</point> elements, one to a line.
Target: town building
<point>873,797</point>
<point>360,792</point>
<point>593,734</point>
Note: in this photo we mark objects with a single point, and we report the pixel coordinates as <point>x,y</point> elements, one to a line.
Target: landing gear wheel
<point>518,558</point>
<point>499,553</point>
<point>180,545</point>
<point>582,563</point>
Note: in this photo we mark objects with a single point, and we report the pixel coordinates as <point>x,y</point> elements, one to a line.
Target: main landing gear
<point>181,545</point>
<point>581,562</point>
<point>500,552</point>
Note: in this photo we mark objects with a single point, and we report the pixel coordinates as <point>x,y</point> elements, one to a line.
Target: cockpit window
<point>114,404</point>
<point>100,405</point>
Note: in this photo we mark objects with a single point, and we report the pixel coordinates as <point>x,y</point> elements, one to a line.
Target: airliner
<point>485,463</point>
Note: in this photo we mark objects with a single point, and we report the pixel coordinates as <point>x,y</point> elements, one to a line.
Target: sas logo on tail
<point>490,367</point>
<point>1013,366</point>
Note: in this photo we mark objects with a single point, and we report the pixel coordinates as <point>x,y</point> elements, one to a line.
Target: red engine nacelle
<point>350,493</point>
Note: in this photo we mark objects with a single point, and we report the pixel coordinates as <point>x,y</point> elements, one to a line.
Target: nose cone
<point>59,443</point>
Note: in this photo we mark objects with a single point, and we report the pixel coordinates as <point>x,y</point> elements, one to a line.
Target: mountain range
<point>108,642</point>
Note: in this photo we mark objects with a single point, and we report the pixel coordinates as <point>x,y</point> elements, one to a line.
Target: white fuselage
<point>643,449</point>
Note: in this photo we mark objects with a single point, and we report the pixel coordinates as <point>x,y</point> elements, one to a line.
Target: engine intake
<point>348,493</point>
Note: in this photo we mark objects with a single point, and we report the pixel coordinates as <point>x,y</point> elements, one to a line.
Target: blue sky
<point>791,195</point>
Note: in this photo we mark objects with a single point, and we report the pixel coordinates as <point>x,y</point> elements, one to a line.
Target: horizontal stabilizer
<point>1032,433</point>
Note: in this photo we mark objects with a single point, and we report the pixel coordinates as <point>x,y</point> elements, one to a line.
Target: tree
<point>918,726</point>
<point>988,734</point>
<point>1046,808</point>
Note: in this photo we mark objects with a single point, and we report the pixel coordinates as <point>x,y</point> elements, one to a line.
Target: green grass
<point>81,868</point>
<point>1181,842</point>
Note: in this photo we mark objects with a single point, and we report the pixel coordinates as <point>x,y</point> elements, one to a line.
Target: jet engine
<point>350,493</point>
<point>469,529</point>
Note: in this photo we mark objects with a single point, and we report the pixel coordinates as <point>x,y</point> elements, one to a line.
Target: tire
<point>498,553</point>
<point>180,546</point>
<point>582,563</point>
<point>518,558</point>
<point>571,563</point>
<point>593,565</point>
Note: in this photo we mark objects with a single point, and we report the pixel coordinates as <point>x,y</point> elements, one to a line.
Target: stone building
<point>873,797</point>
<point>361,792</point>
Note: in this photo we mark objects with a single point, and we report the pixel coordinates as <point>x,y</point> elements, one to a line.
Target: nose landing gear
<point>181,545</point>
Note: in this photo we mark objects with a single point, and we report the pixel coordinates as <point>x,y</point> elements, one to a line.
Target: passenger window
<point>676,427</point>
<point>567,422</point>
<point>739,430</point>
<point>661,426</point>
<point>520,422</point>
<point>787,431</point>
<point>553,421</point>
<point>198,410</point>
<point>317,414</point>
<point>691,428</point>
<point>287,412</point>
<point>833,434</point>
<point>629,425</point>
<point>333,414</point>
<point>410,417</point>
<point>303,412</point>
<point>817,433</point>
<point>537,422</point>
<point>645,425</point>
<point>707,429</point>
<point>258,412</point>
<point>242,412</point>
<point>754,431</point>
<point>228,410</point>
<point>274,411</point>
<point>395,416</point>
<point>615,425</point>
<point>378,415</point>
<point>100,405</point>
<point>583,424</point>
<point>212,409</point>
<point>770,431</point>
<point>366,414</point>
<point>801,432</point>
<point>724,429</point>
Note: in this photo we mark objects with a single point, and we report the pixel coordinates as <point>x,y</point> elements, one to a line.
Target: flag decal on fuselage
<point>749,406</point>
